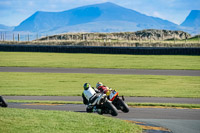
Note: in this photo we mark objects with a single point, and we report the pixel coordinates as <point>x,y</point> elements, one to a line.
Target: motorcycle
<point>2,102</point>
<point>100,102</point>
<point>113,96</point>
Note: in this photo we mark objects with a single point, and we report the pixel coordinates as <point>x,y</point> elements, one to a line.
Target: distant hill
<point>193,19</point>
<point>6,28</point>
<point>105,17</point>
<point>150,34</point>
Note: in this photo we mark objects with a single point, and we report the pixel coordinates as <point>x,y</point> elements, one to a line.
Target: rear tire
<point>112,108</point>
<point>2,102</point>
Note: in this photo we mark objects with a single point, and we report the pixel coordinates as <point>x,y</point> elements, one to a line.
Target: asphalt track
<point>103,71</point>
<point>177,120</point>
<point>127,99</point>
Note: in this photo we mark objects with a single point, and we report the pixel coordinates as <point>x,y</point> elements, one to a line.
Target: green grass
<point>195,38</point>
<point>40,121</point>
<point>64,60</point>
<point>44,101</point>
<point>173,105</point>
<point>166,105</point>
<point>65,84</point>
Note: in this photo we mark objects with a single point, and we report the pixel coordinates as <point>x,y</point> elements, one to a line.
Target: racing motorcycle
<point>113,96</point>
<point>2,102</point>
<point>100,102</point>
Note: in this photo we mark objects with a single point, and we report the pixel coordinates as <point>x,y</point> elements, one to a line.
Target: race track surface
<point>177,120</point>
<point>103,71</point>
<point>127,99</point>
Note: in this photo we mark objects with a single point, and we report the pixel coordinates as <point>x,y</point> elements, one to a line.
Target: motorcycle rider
<point>102,88</point>
<point>90,96</point>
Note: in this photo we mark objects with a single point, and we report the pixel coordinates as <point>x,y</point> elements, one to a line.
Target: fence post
<point>174,39</point>
<point>18,37</point>
<point>47,37</point>
<point>150,40</point>
<point>37,36</point>
<point>28,37</point>
<point>5,36</point>
<point>13,37</point>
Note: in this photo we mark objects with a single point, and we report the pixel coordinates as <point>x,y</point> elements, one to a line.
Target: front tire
<point>123,106</point>
<point>2,102</point>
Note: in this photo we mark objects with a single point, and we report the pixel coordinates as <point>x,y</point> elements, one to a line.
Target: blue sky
<point>13,12</point>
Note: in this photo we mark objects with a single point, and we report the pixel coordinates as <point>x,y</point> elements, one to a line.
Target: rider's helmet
<point>86,86</point>
<point>99,84</point>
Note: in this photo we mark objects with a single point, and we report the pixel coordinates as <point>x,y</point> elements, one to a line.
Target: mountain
<point>6,28</point>
<point>193,19</point>
<point>104,17</point>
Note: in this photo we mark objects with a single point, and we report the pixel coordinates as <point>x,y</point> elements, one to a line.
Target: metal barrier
<point>101,50</point>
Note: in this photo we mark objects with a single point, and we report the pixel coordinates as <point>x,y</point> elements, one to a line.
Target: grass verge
<point>165,105</point>
<point>131,104</point>
<point>65,60</point>
<point>67,84</point>
<point>40,121</point>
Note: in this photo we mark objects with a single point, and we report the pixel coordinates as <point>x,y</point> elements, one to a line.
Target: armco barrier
<point>102,50</point>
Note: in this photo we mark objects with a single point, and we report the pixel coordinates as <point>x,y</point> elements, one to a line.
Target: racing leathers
<point>90,98</point>
<point>104,89</point>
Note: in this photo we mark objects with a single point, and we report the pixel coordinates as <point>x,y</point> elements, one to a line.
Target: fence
<point>20,36</point>
<point>26,36</point>
<point>101,50</point>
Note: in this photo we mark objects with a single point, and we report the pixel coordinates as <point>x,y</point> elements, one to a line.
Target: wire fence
<point>84,40</point>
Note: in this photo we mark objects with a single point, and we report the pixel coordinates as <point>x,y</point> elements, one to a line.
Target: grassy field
<point>63,84</point>
<point>39,121</point>
<point>28,59</point>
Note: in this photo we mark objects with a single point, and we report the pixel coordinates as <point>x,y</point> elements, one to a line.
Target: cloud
<point>31,3</point>
<point>157,14</point>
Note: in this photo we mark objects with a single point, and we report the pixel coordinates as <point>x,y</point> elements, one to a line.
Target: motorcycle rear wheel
<point>112,108</point>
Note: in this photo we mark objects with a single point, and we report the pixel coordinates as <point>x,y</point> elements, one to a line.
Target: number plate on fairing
<point>112,95</point>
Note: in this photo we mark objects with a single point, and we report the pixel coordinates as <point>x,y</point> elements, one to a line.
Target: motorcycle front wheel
<point>123,106</point>
<point>2,102</point>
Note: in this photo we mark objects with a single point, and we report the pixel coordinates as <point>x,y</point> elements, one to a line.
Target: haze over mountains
<point>6,28</point>
<point>105,17</point>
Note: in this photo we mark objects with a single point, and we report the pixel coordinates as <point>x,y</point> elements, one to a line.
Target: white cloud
<point>31,3</point>
<point>157,14</point>
<point>6,3</point>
